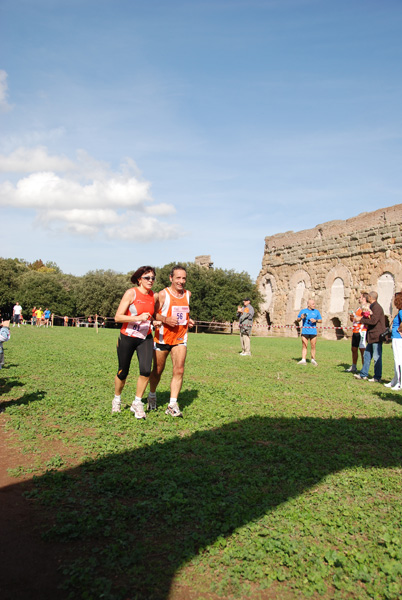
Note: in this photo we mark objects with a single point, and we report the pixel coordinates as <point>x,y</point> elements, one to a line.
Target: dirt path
<point>29,567</point>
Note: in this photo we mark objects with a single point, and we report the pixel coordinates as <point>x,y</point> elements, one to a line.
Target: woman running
<point>135,311</point>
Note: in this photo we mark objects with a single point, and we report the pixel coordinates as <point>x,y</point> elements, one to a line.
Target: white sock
<point>118,398</point>
<point>172,401</point>
<point>137,400</point>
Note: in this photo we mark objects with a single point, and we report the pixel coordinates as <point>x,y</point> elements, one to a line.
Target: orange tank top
<point>174,307</point>
<point>142,303</point>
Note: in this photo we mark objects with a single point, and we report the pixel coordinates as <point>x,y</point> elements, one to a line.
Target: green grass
<point>281,479</point>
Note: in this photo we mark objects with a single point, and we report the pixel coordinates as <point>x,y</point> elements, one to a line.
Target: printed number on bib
<point>181,313</point>
<point>138,329</point>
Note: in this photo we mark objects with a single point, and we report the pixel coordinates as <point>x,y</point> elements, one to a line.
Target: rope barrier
<point>217,324</point>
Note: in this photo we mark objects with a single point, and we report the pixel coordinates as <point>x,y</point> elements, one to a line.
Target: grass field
<point>281,481</point>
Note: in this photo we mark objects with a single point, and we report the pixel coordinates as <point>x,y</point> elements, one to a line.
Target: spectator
<point>375,327</point>
<point>310,317</point>
<point>246,313</point>
<point>17,310</point>
<point>396,382</point>
<point>359,332</point>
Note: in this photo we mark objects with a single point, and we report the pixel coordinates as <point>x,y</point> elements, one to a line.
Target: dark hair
<point>177,268</point>
<point>365,296</point>
<point>135,277</point>
<point>398,300</point>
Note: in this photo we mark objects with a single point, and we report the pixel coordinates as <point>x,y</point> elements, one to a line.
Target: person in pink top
<point>358,333</point>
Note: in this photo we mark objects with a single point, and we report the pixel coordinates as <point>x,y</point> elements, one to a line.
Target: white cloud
<point>84,197</point>
<point>144,229</point>
<point>4,105</point>
<point>161,210</point>
<point>30,160</point>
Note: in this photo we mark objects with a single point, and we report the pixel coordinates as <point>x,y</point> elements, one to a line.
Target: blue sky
<point>140,132</point>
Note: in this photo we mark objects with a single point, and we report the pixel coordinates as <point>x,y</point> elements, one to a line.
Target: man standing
<point>358,329</point>
<point>310,317</point>
<point>172,308</point>
<point>17,310</point>
<point>245,323</point>
<point>375,327</point>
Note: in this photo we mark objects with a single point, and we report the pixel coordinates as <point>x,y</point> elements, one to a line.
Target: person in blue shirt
<point>47,315</point>
<point>4,337</point>
<point>310,317</point>
<point>396,337</point>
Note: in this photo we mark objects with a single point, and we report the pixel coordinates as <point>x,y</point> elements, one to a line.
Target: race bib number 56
<point>181,313</point>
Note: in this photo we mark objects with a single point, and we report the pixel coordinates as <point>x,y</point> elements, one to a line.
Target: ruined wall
<point>331,263</point>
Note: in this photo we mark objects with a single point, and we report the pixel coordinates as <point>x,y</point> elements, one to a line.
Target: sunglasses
<point>149,278</point>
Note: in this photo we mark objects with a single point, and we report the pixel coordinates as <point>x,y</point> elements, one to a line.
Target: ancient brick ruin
<point>332,263</point>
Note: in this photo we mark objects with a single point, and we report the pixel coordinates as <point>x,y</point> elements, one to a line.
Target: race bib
<point>139,330</point>
<point>181,313</point>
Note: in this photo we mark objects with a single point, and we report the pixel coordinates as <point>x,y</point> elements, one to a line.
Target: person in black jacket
<point>375,327</point>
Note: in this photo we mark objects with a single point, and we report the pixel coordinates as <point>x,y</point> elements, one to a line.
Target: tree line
<point>216,293</point>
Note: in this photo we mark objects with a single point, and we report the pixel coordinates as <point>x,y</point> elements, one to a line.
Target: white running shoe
<point>151,403</point>
<point>314,362</point>
<point>389,385</point>
<point>352,369</point>
<point>116,405</point>
<point>173,410</point>
<point>138,409</point>
<point>302,362</point>
<point>396,387</point>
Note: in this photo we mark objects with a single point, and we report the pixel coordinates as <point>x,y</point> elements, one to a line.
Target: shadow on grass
<point>134,519</point>
<point>6,385</point>
<point>24,400</point>
<point>390,396</point>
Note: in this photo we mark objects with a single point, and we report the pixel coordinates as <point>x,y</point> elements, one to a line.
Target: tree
<point>11,270</point>
<point>99,292</point>
<point>36,288</point>
<point>215,293</point>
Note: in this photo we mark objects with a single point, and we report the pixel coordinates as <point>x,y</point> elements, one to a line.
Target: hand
<point>191,323</point>
<point>313,320</point>
<point>171,321</point>
<point>156,323</point>
<point>145,316</point>
<point>6,323</point>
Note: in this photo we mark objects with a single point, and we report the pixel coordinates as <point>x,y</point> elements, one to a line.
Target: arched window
<point>267,292</point>
<point>337,296</point>
<point>301,286</point>
<point>386,287</point>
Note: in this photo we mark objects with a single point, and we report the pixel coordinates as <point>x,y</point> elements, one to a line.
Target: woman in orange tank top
<point>135,312</point>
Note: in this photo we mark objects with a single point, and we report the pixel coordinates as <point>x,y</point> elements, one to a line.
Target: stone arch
<point>268,288</point>
<point>387,266</point>
<point>299,291</point>
<point>386,291</point>
<point>337,296</point>
<point>338,285</point>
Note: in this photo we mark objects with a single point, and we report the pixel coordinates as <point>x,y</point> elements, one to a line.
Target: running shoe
<point>173,410</point>
<point>374,380</point>
<point>116,406</point>
<point>302,362</point>
<point>151,403</point>
<point>138,409</point>
<point>314,362</point>
<point>351,369</point>
<point>358,376</point>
